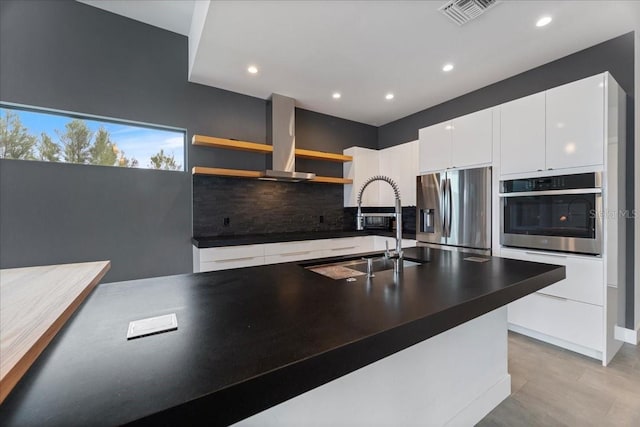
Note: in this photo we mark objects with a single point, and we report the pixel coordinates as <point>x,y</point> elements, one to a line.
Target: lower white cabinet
<point>569,313</point>
<point>571,321</point>
<point>380,243</point>
<point>585,274</point>
<point>227,257</point>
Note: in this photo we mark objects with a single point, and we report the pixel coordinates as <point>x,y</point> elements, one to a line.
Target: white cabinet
<point>585,274</point>
<point>575,124</point>
<point>381,242</point>
<point>435,147</point>
<point>399,163</point>
<point>472,139</point>
<point>522,135</point>
<point>560,128</point>
<point>460,143</point>
<point>569,313</point>
<point>226,257</point>
<point>365,164</point>
<point>563,319</point>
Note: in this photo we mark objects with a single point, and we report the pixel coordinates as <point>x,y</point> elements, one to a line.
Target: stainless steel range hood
<point>281,132</point>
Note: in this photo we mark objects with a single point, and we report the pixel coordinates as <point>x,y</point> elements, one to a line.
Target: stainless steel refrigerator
<point>454,210</point>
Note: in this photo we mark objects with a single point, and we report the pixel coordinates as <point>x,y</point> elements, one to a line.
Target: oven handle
<point>553,192</point>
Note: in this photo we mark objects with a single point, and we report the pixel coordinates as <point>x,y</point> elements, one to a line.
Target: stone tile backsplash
<point>235,206</point>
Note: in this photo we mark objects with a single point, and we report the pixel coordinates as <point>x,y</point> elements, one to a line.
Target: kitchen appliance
<point>379,221</point>
<point>556,213</point>
<point>281,133</point>
<point>454,210</point>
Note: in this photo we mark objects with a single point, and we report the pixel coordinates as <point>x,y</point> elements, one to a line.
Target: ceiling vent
<point>463,11</point>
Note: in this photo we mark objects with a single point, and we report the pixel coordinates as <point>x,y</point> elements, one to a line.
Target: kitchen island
<point>250,339</point>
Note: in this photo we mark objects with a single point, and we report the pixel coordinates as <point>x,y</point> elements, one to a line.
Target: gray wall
<point>615,55</point>
<point>69,56</point>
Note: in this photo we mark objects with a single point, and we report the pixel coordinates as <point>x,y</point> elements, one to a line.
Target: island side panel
<point>454,378</point>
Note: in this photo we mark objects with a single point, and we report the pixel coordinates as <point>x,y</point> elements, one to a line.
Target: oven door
<point>567,221</point>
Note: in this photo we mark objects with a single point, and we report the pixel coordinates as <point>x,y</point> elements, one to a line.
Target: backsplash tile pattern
<point>256,207</point>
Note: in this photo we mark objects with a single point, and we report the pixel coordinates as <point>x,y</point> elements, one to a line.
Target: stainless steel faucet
<point>397,254</point>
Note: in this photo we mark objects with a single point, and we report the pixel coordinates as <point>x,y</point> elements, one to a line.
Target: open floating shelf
<point>232,144</point>
<point>242,173</point>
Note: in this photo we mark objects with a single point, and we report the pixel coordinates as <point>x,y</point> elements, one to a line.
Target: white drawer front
<point>231,252</point>
<point>292,256</point>
<point>568,320</point>
<point>348,245</point>
<point>226,264</point>
<point>284,248</point>
<point>585,275</point>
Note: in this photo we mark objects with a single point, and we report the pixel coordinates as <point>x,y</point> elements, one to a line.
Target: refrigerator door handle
<point>443,210</point>
<point>450,208</point>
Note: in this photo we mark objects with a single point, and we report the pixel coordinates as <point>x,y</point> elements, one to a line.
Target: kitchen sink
<point>355,267</point>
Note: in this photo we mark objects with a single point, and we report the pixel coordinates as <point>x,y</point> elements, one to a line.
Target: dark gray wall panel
<point>61,213</point>
<point>69,56</point>
<point>615,55</point>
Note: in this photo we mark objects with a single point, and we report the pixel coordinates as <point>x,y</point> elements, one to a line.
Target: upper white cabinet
<point>435,147</point>
<point>559,128</point>
<point>575,124</point>
<point>472,139</point>
<point>399,163</point>
<point>363,166</point>
<point>462,142</point>
<point>522,134</point>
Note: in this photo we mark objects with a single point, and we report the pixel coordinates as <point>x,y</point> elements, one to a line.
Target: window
<point>31,134</point>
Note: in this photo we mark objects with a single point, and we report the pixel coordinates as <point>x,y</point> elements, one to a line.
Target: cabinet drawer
<point>293,256</point>
<point>226,264</point>
<point>572,321</point>
<point>230,252</point>
<point>585,275</point>
<point>285,248</point>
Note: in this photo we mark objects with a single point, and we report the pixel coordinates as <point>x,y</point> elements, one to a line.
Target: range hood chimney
<point>281,131</point>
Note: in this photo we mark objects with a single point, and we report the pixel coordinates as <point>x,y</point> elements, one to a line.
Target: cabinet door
<point>435,147</point>
<point>522,135</point>
<point>472,140</point>
<point>575,124</point>
<point>364,166</point>
<point>400,163</point>
<point>585,275</point>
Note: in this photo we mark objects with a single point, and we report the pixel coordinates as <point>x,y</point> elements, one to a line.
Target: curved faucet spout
<point>397,256</point>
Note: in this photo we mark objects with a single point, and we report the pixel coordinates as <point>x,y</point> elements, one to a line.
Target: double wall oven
<point>556,213</point>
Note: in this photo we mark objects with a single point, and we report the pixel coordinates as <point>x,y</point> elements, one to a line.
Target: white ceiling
<point>365,49</point>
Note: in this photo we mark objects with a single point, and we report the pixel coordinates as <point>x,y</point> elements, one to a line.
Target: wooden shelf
<point>243,173</point>
<point>332,180</point>
<point>321,155</point>
<point>231,144</point>
<point>238,173</point>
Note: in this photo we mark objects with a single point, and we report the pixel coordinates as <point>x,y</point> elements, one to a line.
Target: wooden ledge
<point>36,303</point>
<point>243,173</point>
<point>231,144</point>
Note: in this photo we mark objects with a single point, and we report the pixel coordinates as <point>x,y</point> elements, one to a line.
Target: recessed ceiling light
<point>447,67</point>
<point>543,21</point>
<point>389,96</point>
<point>336,95</point>
<point>253,69</point>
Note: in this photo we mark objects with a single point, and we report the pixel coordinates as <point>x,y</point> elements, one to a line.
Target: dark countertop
<point>249,338</point>
<point>253,239</point>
